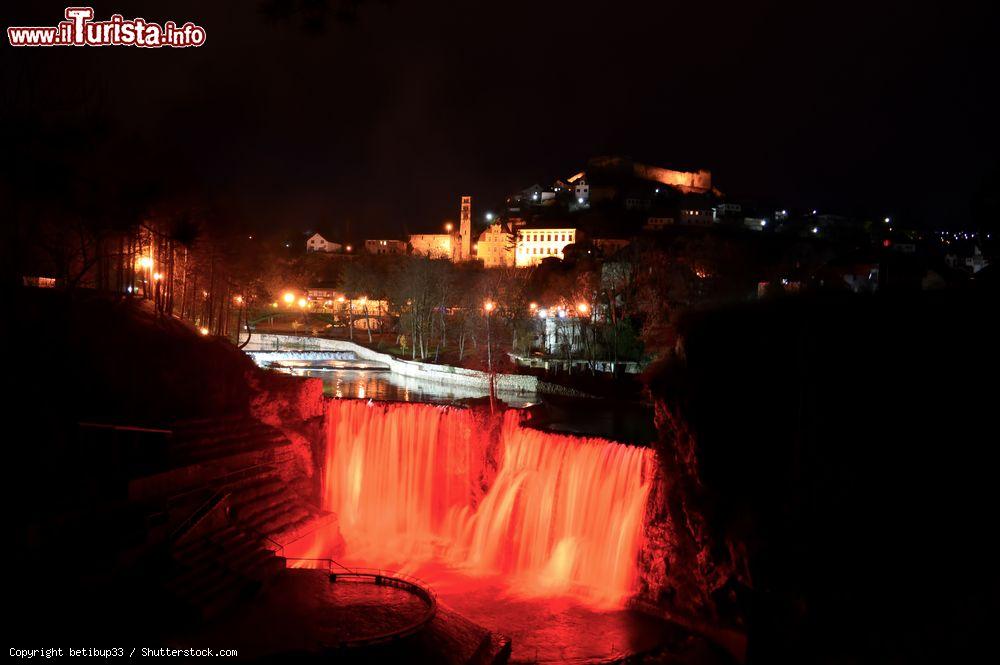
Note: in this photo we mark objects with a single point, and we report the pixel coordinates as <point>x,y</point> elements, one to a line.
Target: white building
<point>534,245</point>
<point>317,243</point>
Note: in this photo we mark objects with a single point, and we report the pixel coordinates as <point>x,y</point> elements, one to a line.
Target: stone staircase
<point>264,505</point>
<point>202,440</point>
<point>215,570</point>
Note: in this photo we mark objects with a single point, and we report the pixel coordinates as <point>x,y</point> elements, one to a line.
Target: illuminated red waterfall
<point>414,482</point>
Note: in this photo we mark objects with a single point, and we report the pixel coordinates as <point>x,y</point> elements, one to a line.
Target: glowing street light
<point>887,220</point>
<point>157,276</point>
<point>203,330</point>
<point>146,262</point>
<point>289,297</point>
<point>238,300</point>
<point>533,306</point>
<point>489,216</point>
<point>303,302</point>
<point>448,227</point>
<point>583,307</point>
<point>488,306</point>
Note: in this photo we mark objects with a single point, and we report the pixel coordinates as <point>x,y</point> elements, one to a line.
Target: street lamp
<point>488,306</point>
<point>583,308</point>
<point>448,227</point>
<point>289,297</point>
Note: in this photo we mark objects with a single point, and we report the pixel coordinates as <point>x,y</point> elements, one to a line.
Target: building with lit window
<point>495,247</point>
<point>317,243</point>
<point>535,244</point>
<point>385,246</point>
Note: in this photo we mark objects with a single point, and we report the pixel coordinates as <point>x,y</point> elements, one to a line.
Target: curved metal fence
<point>342,574</point>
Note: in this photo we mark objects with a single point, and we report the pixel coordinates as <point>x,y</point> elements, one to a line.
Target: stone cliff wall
<point>826,478</point>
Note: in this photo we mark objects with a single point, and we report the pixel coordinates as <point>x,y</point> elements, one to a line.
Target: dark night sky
<point>386,120</point>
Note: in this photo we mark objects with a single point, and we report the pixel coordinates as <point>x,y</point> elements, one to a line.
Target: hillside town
<point>385,331</point>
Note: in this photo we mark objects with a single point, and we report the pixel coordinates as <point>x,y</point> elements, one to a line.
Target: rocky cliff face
<point>826,481</point>
<point>687,568</point>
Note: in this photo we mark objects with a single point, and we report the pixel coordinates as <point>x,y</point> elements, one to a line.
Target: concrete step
<point>200,451</point>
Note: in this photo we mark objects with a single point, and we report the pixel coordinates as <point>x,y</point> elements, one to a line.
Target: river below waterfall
<point>528,533</point>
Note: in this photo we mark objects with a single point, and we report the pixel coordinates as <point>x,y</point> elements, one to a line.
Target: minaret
<point>465,230</point>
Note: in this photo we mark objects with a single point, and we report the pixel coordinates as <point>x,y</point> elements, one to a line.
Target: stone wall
<point>447,374</point>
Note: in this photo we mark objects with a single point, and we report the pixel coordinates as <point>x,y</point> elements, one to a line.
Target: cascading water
<point>553,513</point>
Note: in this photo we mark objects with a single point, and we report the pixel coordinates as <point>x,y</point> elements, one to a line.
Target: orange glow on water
<point>554,514</point>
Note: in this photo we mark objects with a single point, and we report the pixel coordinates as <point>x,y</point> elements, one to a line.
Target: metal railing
<point>381,577</point>
<point>126,428</point>
<point>199,513</point>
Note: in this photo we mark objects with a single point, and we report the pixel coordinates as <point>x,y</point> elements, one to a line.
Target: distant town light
<point>533,306</point>
<point>203,331</point>
<point>488,306</point>
<point>348,248</point>
<point>340,298</point>
<point>157,276</point>
<point>289,297</point>
<point>814,211</point>
<point>238,300</point>
<point>303,302</point>
<point>583,307</point>
<point>815,229</point>
<point>887,220</point>
<point>489,216</point>
<point>448,227</point>
<point>145,262</point>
